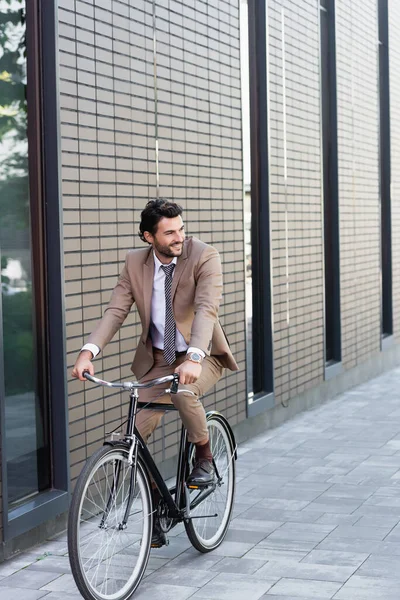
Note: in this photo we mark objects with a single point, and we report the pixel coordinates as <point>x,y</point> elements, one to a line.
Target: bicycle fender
<point>116,443</point>
<point>220,416</point>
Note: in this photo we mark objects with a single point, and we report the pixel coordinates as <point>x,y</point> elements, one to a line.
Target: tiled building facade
<point>149,100</point>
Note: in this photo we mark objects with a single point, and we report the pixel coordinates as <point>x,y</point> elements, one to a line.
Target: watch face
<point>195,356</point>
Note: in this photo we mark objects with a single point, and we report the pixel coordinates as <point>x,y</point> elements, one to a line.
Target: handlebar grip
<point>174,384</point>
<point>88,376</point>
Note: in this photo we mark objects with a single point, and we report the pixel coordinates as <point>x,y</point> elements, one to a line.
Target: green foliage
<point>18,342</point>
<point>14,188</point>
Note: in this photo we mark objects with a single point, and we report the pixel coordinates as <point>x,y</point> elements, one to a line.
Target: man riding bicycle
<point>176,284</point>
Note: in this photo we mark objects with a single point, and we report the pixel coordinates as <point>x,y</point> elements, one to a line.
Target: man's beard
<point>169,251</point>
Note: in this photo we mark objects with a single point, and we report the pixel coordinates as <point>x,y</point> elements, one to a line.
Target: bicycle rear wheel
<point>206,531</point>
<point>108,558</point>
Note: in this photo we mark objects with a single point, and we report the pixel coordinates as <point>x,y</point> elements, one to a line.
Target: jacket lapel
<point>180,267</point>
<point>148,276</point>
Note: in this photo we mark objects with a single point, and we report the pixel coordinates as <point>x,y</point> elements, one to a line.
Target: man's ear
<point>148,237</point>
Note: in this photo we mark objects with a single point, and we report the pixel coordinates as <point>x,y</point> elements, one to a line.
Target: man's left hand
<point>189,372</point>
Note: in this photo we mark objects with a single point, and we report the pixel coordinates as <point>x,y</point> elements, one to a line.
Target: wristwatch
<point>194,357</point>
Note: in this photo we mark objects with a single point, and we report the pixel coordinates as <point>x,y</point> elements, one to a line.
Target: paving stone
<point>235,549</point>
<point>305,588</point>
<point>9,593</point>
<point>247,524</point>
<point>378,521</point>
<point>276,554</point>
<point>269,596</point>
<point>63,583</point>
<point>244,535</point>
<point>228,586</point>
<point>29,579</point>
<point>334,505</point>
<point>176,575</point>
<point>333,519</point>
<point>302,570</point>
<point>163,591</point>
<point>192,559</point>
<point>332,557</point>
<point>17,563</point>
<point>243,565</point>
<point>369,588</point>
<point>376,565</point>
<point>350,491</point>
<point>56,564</point>
<point>358,532</point>
<point>284,543</point>
<point>62,596</point>
<point>350,545</point>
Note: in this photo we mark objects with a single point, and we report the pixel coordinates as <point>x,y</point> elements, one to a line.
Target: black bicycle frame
<point>175,505</point>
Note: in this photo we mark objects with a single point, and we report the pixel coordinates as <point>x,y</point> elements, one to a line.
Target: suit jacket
<point>196,294</point>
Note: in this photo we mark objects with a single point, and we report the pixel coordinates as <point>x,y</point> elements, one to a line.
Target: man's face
<point>169,237</point>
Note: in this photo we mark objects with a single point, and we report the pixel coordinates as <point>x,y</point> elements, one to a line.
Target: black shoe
<point>203,473</point>
<point>158,537</point>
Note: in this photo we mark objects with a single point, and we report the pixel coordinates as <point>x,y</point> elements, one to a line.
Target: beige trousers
<point>191,410</point>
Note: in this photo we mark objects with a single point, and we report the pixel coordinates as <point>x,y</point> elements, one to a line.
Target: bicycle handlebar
<point>134,385</point>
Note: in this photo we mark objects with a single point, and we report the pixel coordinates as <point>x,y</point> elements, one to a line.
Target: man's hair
<point>153,212</point>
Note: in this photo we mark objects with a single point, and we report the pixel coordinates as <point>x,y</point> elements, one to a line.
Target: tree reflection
<point>14,201</point>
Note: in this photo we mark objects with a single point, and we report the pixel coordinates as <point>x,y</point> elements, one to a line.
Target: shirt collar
<point>158,264</point>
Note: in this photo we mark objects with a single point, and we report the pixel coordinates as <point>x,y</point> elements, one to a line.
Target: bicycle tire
<point>136,537</point>
<point>203,539</point>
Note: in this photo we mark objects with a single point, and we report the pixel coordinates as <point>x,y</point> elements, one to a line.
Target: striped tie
<point>170,325</point>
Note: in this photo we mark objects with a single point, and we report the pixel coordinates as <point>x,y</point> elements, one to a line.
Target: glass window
<point>385,170</point>
<point>330,183</point>
<point>26,443</point>
<point>244,66</point>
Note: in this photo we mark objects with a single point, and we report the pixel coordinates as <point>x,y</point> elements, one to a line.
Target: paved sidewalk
<point>316,516</point>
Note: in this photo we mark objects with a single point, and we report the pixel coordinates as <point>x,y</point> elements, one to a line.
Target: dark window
<point>386,230</point>
<point>330,182</point>
<point>256,201</point>
<point>26,414</point>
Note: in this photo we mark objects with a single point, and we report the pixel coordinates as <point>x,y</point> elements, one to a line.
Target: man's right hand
<point>82,364</point>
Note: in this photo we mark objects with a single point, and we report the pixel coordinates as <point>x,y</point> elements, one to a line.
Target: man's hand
<point>83,363</point>
<point>189,372</point>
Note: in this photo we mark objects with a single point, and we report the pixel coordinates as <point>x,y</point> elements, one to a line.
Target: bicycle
<point>111,515</point>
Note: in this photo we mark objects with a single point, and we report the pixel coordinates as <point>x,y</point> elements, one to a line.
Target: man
<point>176,284</point>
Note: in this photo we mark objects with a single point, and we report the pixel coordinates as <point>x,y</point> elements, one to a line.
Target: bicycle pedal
<point>160,544</point>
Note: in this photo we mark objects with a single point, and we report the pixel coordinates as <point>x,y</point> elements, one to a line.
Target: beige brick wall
<point>295,196</point>
<point>119,97</point>
<point>359,206</point>
<point>110,120</point>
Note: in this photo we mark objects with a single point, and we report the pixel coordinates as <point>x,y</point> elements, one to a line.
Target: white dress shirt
<point>157,317</point>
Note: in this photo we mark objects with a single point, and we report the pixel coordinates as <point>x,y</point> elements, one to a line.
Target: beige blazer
<point>196,294</point>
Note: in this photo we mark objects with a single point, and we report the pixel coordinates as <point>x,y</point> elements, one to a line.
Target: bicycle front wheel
<point>110,524</point>
<point>212,507</point>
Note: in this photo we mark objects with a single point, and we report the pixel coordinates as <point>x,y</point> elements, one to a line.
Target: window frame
<point>262,335</point>
<point>330,190</point>
<point>385,174</point>
<point>46,223</point>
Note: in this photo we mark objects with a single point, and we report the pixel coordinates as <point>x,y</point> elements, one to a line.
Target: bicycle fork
<point>132,460</point>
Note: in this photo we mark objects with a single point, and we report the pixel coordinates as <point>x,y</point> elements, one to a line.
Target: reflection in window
<point>245,83</point>
<point>26,445</point>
